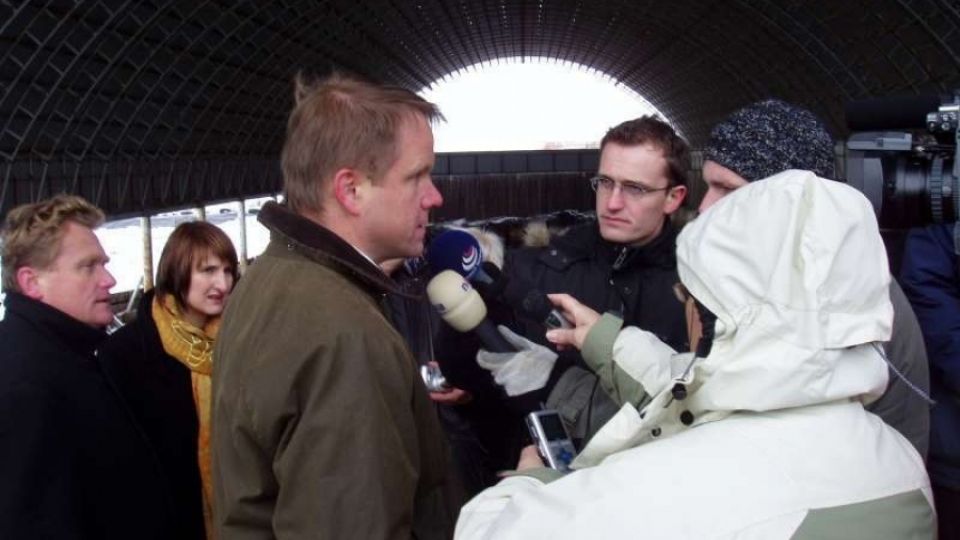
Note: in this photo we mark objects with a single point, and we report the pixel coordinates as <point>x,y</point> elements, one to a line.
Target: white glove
<point>518,372</point>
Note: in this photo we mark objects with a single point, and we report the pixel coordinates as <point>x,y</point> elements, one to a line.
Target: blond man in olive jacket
<point>322,426</point>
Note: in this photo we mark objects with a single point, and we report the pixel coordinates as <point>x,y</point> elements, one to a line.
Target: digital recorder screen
<point>552,427</point>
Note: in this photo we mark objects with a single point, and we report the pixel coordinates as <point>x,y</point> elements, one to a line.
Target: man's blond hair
<point>32,233</point>
<point>342,122</point>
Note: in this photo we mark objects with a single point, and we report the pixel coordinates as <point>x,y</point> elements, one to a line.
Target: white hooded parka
<point>769,438</point>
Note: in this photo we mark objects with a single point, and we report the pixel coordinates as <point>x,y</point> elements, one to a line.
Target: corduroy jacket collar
<point>318,243</point>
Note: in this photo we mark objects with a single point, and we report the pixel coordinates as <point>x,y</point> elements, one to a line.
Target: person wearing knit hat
<point>761,140</point>
<point>763,435</point>
<point>769,137</point>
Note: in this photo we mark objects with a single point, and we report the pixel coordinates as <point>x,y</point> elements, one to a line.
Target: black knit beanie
<point>769,137</point>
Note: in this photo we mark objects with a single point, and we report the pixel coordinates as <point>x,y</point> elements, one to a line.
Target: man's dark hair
<point>651,129</point>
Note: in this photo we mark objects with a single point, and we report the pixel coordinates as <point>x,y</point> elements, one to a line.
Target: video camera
<point>912,178</point>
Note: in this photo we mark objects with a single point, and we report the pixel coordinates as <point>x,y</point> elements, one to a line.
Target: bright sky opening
<point>536,104</point>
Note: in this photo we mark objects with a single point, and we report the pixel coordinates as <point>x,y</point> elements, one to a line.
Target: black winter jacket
<point>73,463</point>
<point>634,282</point>
<point>158,389</point>
<point>485,435</point>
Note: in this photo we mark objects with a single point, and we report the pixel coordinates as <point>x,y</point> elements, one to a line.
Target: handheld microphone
<point>524,297</point>
<point>458,251</point>
<point>463,309</point>
<point>535,304</point>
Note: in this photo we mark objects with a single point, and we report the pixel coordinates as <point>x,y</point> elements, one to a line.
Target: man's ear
<point>348,190</point>
<point>674,199</point>
<point>28,279</point>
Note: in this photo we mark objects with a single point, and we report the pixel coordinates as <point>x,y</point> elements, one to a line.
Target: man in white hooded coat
<point>764,436</point>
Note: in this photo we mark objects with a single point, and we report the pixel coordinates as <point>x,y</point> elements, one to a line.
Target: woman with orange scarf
<point>162,362</point>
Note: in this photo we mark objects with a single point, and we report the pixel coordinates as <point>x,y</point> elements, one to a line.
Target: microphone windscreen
<point>525,297</point>
<point>456,301</point>
<point>455,250</point>
<point>492,284</point>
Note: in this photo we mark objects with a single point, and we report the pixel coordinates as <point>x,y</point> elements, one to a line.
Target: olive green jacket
<point>321,425</point>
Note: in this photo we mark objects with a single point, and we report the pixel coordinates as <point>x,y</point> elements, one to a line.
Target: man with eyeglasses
<point>624,263</point>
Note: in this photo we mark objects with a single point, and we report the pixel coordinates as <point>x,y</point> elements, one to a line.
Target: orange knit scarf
<point>193,347</point>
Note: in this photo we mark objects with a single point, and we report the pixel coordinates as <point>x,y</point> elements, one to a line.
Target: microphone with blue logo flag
<point>516,363</point>
<point>460,252</point>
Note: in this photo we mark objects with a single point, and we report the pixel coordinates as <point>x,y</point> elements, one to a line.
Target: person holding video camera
<point>931,280</point>
<point>771,136</point>
<point>760,434</point>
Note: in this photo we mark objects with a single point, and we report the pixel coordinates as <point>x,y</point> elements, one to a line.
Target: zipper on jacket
<point>620,258</point>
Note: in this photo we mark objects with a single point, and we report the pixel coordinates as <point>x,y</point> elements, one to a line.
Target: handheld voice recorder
<point>556,448</point>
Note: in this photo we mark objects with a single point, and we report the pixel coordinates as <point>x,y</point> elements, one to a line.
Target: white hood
<point>794,268</point>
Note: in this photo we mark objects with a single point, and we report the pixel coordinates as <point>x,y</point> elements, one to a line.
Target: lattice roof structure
<point>146,103</point>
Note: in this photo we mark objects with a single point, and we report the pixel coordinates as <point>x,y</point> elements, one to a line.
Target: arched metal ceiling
<point>142,104</point>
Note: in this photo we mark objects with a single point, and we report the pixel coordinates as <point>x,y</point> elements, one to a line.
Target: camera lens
<point>906,190</point>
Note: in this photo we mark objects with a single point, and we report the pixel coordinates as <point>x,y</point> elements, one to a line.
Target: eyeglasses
<point>630,190</point>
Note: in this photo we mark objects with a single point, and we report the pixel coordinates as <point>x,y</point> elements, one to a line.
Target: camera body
<point>912,178</point>
<point>554,444</point>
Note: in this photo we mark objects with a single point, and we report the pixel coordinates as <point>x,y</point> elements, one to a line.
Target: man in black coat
<point>623,263</point>
<point>73,464</point>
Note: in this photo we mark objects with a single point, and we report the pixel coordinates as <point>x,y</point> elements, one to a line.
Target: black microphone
<point>522,296</point>
<point>884,114</point>
<point>491,338</point>
<point>461,307</point>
